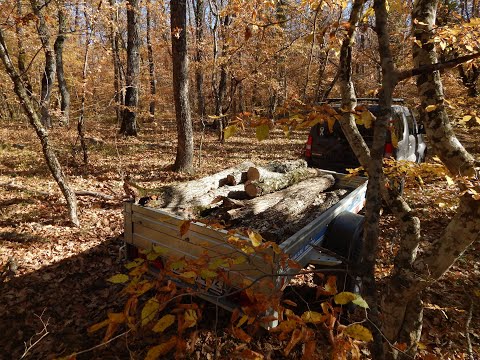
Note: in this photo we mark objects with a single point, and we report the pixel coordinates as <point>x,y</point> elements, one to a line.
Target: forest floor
<point>60,284</point>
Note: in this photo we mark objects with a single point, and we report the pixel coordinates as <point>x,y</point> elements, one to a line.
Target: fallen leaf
<point>160,350</point>
<point>164,323</point>
<point>118,279</point>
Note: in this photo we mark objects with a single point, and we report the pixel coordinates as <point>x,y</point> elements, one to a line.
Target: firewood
<point>182,195</point>
<point>273,169</point>
<point>258,188</point>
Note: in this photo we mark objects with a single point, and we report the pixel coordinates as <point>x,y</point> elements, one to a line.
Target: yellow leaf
<point>149,311</point>
<point>160,350</point>
<point>160,250</point>
<point>190,318</point>
<point>208,274</point>
<point>242,320</point>
<point>360,302</point>
<point>230,131</point>
<point>262,132</point>
<point>152,256</point>
<point>466,118</point>
<point>394,139</point>
<point>217,263</point>
<point>98,326</point>
<point>178,265</point>
<point>449,180</point>
<point>358,332</point>
<point>256,238</point>
<point>164,323</point>
<point>431,108</point>
<point>476,292</point>
<point>418,42</point>
<point>239,260</point>
<point>134,263</point>
<point>367,118</point>
<point>344,298</point>
<point>189,274</point>
<point>118,279</point>
<point>313,317</point>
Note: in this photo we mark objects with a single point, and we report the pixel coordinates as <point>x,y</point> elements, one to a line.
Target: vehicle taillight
<point>308,147</point>
<point>388,151</point>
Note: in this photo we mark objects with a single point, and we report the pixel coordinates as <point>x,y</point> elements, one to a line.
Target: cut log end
<point>253,174</point>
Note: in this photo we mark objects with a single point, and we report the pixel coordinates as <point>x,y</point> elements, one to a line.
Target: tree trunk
<point>129,120</point>
<point>118,78</point>
<point>400,303</point>
<point>442,139</point>
<point>35,121</point>
<point>199,34</point>
<point>184,157</point>
<point>151,64</point>
<point>22,68</point>
<point>48,77</point>
<point>272,184</point>
<point>373,164</point>
<point>62,83</point>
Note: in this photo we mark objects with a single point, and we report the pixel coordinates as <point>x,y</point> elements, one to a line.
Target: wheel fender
<point>344,236</point>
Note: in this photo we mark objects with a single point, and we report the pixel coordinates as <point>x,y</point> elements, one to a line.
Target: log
<point>280,231</point>
<point>257,188</point>
<point>253,207</point>
<point>236,178</point>
<point>182,194</point>
<point>291,200</point>
<point>271,169</point>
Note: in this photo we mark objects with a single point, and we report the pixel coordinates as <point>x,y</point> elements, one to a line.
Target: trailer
<point>331,238</point>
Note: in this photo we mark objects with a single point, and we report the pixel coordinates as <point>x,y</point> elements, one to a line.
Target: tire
<point>345,237</point>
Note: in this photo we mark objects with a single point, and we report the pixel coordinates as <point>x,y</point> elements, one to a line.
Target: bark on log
<point>273,168</point>
<point>183,194</point>
<point>292,224</point>
<point>281,204</point>
<point>272,184</point>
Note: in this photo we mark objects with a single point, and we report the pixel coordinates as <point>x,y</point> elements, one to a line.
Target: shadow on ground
<point>69,296</point>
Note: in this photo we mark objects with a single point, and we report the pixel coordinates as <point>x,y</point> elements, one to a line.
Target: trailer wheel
<point>345,237</point>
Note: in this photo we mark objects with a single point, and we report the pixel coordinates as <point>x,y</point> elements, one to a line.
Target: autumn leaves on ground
<point>54,276</point>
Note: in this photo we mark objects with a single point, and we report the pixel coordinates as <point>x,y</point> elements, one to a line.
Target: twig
<point>42,334</point>
<point>467,331</point>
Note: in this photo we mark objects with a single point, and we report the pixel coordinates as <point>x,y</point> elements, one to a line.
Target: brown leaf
<point>297,336</point>
<point>240,334</point>
<point>184,227</point>
<point>160,350</point>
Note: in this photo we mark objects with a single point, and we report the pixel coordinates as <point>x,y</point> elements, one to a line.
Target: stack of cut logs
<point>275,200</point>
